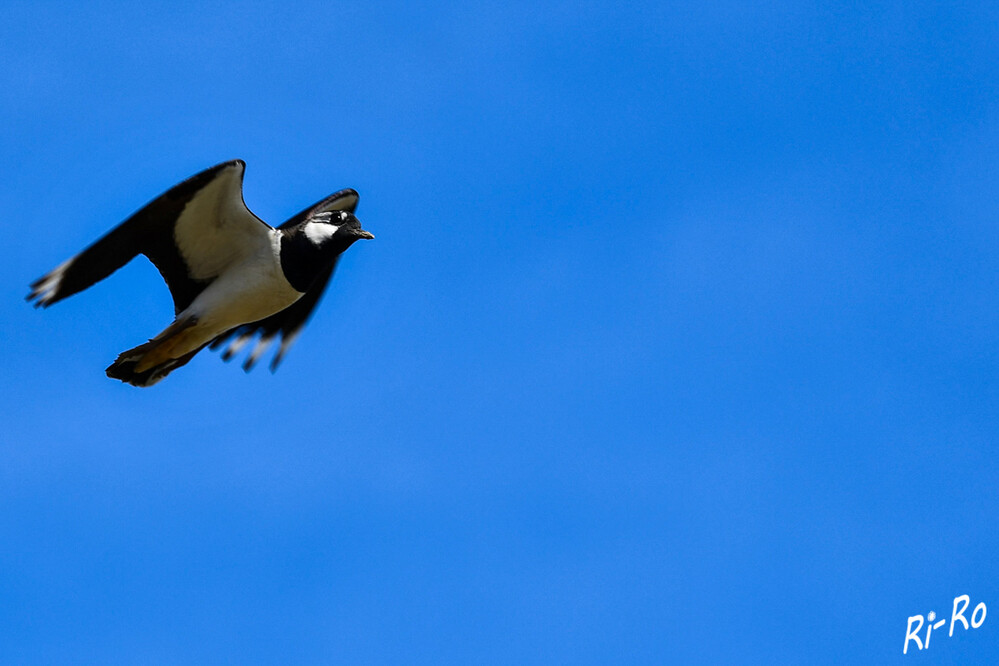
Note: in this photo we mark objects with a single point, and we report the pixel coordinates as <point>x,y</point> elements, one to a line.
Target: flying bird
<point>232,276</point>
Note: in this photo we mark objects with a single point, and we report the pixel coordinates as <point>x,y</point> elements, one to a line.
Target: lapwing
<point>232,276</point>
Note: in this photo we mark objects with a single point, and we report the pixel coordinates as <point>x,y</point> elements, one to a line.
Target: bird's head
<point>336,227</point>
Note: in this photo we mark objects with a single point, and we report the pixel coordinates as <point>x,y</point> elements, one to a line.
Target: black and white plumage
<point>232,276</point>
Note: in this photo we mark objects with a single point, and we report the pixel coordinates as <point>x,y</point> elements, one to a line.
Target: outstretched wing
<point>343,200</point>
<point>287,323</point>
<point>191,233</point>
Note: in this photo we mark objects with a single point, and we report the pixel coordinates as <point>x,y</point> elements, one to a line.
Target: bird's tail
<point>152,361</point>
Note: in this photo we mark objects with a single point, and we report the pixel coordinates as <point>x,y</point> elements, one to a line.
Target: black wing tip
<point>347,192</point>
<point>192,184</point>
<point>276,361</point>
<point>263,344</point>
<point>350,199</point>
<point>229,163</point>
<point>39,299</point>
<point>250,362</point>
<point>257,351</point>
<point>340,194</point>
<point>51,287</point>
<point>286,341</point>
<point>238,163</point>
<point>201,179</point>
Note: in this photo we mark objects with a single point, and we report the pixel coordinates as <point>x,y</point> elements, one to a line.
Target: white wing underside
<point>216,230</point>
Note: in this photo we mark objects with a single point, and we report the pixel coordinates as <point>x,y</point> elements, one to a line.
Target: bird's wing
<point>342,200</point>
<point>288,322</point>
<point>191,233</point>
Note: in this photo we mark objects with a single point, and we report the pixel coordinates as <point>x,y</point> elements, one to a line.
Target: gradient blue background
<point>677,344</point>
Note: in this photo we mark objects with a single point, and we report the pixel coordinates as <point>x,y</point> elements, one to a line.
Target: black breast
<point>302,262</point>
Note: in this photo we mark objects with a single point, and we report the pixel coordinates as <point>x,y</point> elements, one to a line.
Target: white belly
<point>245,293</point>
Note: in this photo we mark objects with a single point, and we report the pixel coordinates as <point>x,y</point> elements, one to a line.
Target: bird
<point>232,276</point>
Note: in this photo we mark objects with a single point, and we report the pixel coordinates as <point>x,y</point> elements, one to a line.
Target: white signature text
<point>961,604</point>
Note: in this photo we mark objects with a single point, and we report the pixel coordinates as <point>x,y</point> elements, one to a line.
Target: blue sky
<point>677,343</point>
